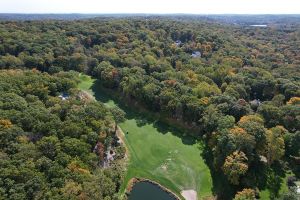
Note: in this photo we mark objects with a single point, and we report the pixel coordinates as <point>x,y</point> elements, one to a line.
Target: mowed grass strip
<point>86,83</point>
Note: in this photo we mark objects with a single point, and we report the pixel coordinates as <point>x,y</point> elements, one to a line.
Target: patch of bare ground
<point>189,194</point>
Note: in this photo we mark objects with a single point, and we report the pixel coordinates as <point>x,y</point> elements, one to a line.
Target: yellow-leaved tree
<point>235,166</point>
<point>275,144</point>
<point>245,194</point>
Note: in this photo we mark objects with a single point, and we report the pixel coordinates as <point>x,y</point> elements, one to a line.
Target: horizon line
<point>115,13</point>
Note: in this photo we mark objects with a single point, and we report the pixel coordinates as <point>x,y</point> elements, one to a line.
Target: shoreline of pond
<point>133,181</point>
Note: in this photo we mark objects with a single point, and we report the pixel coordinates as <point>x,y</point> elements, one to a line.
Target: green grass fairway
<point>163,157</point>
<point>157,153</point>
<point>86,84</point>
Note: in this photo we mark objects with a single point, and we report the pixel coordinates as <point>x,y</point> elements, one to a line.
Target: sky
<point>152,6</point>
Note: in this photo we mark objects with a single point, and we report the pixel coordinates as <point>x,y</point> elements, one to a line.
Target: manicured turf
<point>163,157</point>
<point>86,82</point>
<point>157,153</point>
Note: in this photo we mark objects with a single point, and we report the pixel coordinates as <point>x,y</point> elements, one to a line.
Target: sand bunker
<point>189,194</point>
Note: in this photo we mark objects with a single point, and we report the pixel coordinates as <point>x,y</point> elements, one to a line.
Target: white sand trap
<point>189,194</point>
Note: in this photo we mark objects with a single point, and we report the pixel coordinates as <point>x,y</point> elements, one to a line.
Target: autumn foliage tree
<point>275,143</point>
<point>235,166</point>
<point>47,144</point>
<point>245,194</point>
<point>4,123</point>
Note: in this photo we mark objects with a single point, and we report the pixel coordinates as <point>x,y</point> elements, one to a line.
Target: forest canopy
<point>234,86</point>
<point>49,145</point>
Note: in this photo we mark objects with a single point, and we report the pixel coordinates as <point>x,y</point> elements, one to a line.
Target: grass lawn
<point>163,157</point>
<point>157,152</point>
<point>87,83</point>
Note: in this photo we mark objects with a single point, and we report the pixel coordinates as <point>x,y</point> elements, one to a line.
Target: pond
<point>149,191</point>
<point>259,25</point>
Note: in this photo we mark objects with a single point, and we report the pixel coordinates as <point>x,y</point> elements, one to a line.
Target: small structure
<point>64,96</point>
<point>178,42</point>
<point>108,158</point>
<point>298,187</point>
<point>255,104</point>
<point>196,54</point>
<point>242,102</point>
<point>263,159</point>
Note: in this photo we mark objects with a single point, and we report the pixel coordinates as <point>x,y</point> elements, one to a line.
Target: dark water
<point>148,191</point>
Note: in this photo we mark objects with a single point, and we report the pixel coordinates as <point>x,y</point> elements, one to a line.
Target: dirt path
<point>121,136</point>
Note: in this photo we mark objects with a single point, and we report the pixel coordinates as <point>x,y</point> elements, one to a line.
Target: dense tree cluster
<point>47,143</point>
<point>238,86</point>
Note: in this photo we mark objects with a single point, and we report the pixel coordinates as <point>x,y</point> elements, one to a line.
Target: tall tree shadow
<point>134,112</point>
<point>221,185</point>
